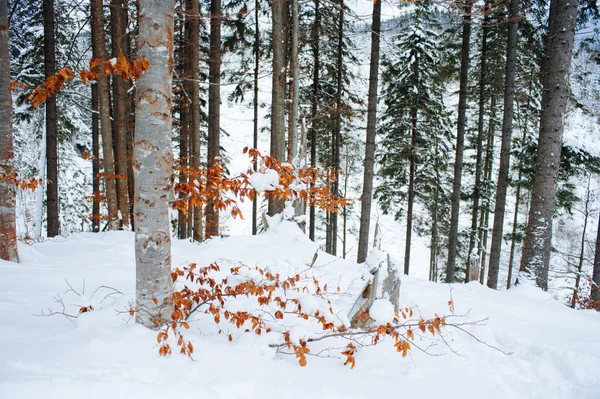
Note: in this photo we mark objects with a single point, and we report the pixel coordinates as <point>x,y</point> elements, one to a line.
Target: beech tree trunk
<point>555,94</point>
<point>192,88</point>
<point>153,164</point>
<point>8,225</point>
<point>460,142</point>
<point>214,107</point>
<point>367,194</point>
<point>315,36</point>
<point>182,104</point>
<point>52,223</point>
<point>507,127</point>
<point>118,17</point>
<point>99,51</point>
<point>95,161</point>
<point>278,94</point>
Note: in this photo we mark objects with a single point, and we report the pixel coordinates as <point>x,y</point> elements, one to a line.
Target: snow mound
<point>554,350</point>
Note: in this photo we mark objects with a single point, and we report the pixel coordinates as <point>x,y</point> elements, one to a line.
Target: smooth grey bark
<point>153,164</point>
<point>315,37</point>
<point>99,51</point>
<point>367,194</point>
<point>460,141</point>
<point>595,291</point>
<point>214,107</point>
<point>480,137</point>
<point>8,229</point>
<point>278,94</point>
<point>52,223</point>
<point>507,127</point>
<point>119,42</point>
<point>537,244</point>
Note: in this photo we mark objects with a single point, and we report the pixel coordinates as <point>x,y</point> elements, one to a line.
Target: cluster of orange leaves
<point>210,185</point>
<point>583,299</point>
<point>23,184</point>
<point>127,69</point>
<point>210,296</point>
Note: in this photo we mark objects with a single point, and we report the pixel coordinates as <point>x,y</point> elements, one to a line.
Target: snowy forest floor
<point>554,350</point>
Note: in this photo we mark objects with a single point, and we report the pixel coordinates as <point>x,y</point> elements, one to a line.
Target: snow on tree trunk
<point>595,294</point>
<point>555,94</point>
<point>153,165</point>
<point>8,228</point>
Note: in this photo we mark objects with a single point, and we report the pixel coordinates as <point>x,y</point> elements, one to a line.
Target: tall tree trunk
<point>95,161</point>
<point>337,131</point>
<point>480,136</point>
<point>555,93</point>
<point>255,109</point>
<point>507,127</point>
<point>315,36</point>
<point>595,293</point>
<point>153,163</point>
<point>99,51</point>
<point>511,258</point>
<point>367,194</point>
<point>278,94</point>
<point>51,123</point>
<point>184,127</point>
<point>214,107</point>
<point>132,105</point>
<point>192,88</point>
<point>8,225</point>
<point>586,215</point>
<point>120,45</point>
<point>487,173</point>
<point>292,150</point>
<point>460,141</point>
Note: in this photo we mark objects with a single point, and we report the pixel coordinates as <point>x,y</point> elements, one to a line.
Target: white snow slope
<point>555,351</point>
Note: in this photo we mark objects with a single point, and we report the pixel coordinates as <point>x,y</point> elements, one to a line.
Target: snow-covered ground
<point>554,350</point>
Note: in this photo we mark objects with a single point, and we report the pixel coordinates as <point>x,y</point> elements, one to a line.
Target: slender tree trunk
<point>192,88</point>
<point>595,293</point>
<point>214,108</point>
<point>460,142</point>
<point>507,126</point>
<point>586,215</point>
<point>487,173</point>
<point>337,131</point>
<point>255,108</point>
<point>131,127</point>
<point>367,194</point>
<point>315,36</point>
<point>278,94</point>
<point>480,137</point>
<point>95,161</point>
<point>292,150</point>
<point>411,174</point>
<point>184,129</point>
<point>153,163</point>
<point>8,225</point>
<point>555,93</point>
<point>511,258</point>
<point>51,123</point>
<point>120,45</point>
<point>99,51</point>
